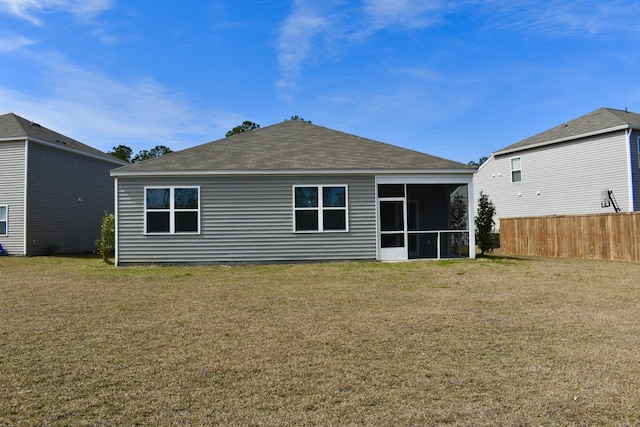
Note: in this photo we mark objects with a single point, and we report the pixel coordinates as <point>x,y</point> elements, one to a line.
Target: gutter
<point>116,173</point>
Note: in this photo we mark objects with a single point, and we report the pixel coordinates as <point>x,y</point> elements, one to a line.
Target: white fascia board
<point>432,178</point>
<point>556,141</point>
<point>482,165</point>
<point>117,173</point>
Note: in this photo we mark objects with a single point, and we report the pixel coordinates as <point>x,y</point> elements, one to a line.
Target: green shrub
<point>107,241</point>
<point>485,235</point>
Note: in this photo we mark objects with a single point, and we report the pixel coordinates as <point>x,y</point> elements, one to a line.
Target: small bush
<point>485,235</point>
<point>107,241</point>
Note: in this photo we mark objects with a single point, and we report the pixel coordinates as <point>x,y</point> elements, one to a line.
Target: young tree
<point>458,219</point>
<point>246,126</point>
<point>485,223</point>
<point>107,241</point>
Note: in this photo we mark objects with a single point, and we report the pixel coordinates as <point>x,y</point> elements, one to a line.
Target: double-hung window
<point>516,169</point>
<point>172,210</point>
<point>4,221</point>
<point>319,208</point>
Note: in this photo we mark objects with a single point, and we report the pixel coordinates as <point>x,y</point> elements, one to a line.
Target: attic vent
<point>60,142</point>
<point>35,124</point>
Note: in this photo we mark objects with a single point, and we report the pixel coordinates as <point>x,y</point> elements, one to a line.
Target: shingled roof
<point>15,127</point>
<point>291,146</point>
<point>602,120</point>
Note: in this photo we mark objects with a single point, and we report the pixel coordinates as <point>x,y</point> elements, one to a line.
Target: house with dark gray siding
<point>292,192</point>
<point>54,190</point>
<point>587,165</point>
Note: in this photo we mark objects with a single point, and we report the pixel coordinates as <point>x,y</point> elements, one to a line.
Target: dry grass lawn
<point>468,342</point>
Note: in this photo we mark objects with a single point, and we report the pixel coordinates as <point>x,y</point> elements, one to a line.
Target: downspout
<point>115,215</point>
<point>628,133</point>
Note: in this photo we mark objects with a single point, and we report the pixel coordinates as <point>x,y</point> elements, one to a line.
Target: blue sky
<point>457,79</point>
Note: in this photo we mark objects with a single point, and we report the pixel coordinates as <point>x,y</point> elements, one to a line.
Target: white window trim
<point>639,152</point>
<point>320,208</point>
<point>172,211</point>
<point>6,219</point>
<point>515,170</point>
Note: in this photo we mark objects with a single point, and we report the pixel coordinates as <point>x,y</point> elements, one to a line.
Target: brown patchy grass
<point>467,342</point>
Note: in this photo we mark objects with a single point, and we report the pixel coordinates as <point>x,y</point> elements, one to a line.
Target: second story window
<point>516,169</point>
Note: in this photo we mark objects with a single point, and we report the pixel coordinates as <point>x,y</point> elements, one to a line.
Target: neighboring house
<point>53,190</point>
<point>293,191</point>
<point>586,165</point>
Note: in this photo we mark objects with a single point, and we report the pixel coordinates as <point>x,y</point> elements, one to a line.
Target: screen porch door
<point>392,228</point>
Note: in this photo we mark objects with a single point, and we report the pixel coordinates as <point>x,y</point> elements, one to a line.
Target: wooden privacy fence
<point>613,236</point>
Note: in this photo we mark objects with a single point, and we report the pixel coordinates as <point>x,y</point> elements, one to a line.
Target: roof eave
<point>559,140</point>
<point>115,160</point>
<point>123,173</point>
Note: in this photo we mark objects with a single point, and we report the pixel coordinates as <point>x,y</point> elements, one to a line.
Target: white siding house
<point>54,190</point>
<point>586,165</point>
<point>292,192</point>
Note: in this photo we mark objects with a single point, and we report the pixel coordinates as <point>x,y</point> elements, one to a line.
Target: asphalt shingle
<point>13,126</point>
<point>601,119</point>
<point>292,146</point>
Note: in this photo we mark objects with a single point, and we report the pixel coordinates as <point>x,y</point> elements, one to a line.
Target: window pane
<point>334,220</point>
<point>306,197</point>
<point>307,220</point>
<point>515,163</point>
<point>392,240</point>
<point>516,176</point>
<point>186,222</point>
<point>157,222</point>
<point>3,227</point>
<point>391,190</point>
<point>333,197</point>
<point>186,198</point>
<point>157,198</point>
<point>3,213</point>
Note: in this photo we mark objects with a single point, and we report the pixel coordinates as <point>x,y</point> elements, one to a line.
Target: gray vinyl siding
<point>247,219</point>
<point>67,197</point>
<point>569,177</point>
<point>12,172</point>
<point>635,168</point>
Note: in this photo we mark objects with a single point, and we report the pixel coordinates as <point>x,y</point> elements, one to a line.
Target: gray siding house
<point>53,190</point>
<point>293,191</point>
<point>586,165</point>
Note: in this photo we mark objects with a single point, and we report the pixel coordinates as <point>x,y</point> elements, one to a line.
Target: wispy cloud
<point>13,42</point>
<point>30,9</point>
<point>94,108</point>
<point>406,14</point>
<point>320,29</point>
<point>296,41</point>
<point>316,30</point>
<point>555,18</point>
